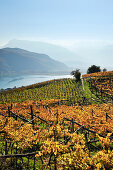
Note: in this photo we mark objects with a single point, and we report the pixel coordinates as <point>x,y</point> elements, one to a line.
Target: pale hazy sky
<point>65,22</point>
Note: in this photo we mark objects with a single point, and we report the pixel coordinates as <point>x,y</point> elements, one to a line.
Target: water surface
<point>24,80</point>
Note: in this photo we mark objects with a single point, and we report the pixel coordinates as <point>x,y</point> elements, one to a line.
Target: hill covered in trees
<point>19,61</point>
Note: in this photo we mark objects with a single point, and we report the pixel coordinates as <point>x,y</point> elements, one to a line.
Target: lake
<point>24,80</point>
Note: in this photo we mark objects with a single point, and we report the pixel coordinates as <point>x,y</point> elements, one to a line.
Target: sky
<point>56,20</point>
<point>74,24</point>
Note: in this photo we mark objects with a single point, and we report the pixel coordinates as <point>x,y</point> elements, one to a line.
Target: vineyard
<point>65,89</point>
<point>58,124</point>
<point>102,81</point>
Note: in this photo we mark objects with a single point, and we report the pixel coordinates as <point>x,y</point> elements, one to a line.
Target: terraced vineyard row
<point>102,84</point>
<point>55,125</point>
<point>59,137</point>
<point>65,89</point>
<point>98,74</point>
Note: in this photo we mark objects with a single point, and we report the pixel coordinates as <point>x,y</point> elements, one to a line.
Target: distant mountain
<point>55,51</point>
<point>19,61</point>
<point>81,56</point>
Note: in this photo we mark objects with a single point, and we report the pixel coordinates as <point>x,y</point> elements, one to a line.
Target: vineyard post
<point>86,139</point>
<point>55,163</point>
<point>82,82</point>
<point>15,105</point>
<point>49,163</point>
<point>16,153</point>
<point>64,138</point>
<point>16,117</point>
<point>90,82</point>
<point>84,99</point>
<point>8,111</point>
<point>32,115</point>
<point>11,105</point>
<point>54,132</point>
<point>6,151</point>
<point>110,80</point>
<point>86,136</point>
<point>28,162</point>
<point>106,117</point>
<point>112,99</point>
<point>72,130</point>
<point>34,163</point>
<point>92,112</point>
<point>101,92</point>
<point>57,117</point>
<point>96,90</point>
<point>11,152</point>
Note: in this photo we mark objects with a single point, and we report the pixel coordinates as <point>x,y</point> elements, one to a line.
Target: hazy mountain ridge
<point>19,61</point>
<point>56,52</point>
<point>76,57</point>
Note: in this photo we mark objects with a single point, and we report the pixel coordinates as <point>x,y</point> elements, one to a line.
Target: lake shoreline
<point>8,83</point>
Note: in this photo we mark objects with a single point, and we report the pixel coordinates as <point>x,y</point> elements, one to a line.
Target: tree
<point>93,69</point>
<point>76,73</point>
<point>104,70</point>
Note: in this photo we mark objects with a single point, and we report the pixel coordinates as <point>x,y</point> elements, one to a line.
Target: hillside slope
<point>19,61</point>
<point>56,52</point>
